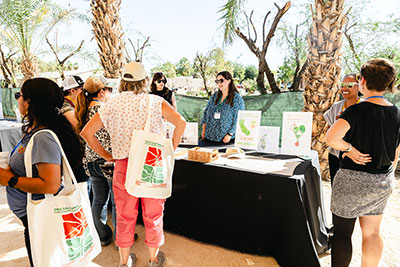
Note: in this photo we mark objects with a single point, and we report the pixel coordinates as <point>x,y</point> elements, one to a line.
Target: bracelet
<point>229,134</point>
<point>347,150</point>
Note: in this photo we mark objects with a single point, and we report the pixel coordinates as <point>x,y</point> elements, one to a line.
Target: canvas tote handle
<point>69,180</point>
<point>147,125</point>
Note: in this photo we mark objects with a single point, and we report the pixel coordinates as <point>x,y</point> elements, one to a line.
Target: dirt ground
<point>184,252</point>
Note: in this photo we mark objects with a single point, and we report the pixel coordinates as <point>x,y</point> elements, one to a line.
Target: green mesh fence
<point>8,101</point>
<point>272,106</point>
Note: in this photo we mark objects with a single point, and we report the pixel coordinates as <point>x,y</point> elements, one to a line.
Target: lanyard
<point>343,108</point>
<point>12,152</point>
<point>374,96</point>
<point>71,101</point>
<point>220,104</point>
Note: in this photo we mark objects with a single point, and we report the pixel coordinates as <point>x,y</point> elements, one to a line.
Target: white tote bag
<point>150,163</point>
<point>61,227</point>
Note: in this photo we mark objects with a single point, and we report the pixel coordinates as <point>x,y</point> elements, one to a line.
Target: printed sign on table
<point>268,139</point>
<point>296,133</point>
<point>247,128</point>
<point>189,137</point>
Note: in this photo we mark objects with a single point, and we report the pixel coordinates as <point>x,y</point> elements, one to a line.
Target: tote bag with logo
<point>150,163</point>
<point>61,227</point>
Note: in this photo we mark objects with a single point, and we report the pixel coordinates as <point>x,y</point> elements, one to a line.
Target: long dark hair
<point>232,88</point>
<point>153,86</point>
<point>82,108</point>
<point>45,100</point>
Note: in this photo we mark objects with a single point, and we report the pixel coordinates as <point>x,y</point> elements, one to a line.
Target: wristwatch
<point>13,181</point>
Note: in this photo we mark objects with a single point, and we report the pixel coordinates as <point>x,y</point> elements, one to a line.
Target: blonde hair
<point>137,87</point>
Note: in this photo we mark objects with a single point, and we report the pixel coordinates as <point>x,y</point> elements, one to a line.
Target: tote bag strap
<point>69,177</point>
<point>147,125</point>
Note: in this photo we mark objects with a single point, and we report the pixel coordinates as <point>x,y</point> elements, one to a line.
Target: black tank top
<point>165,93</point>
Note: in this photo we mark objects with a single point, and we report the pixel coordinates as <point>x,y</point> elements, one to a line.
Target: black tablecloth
<point>253,213</point>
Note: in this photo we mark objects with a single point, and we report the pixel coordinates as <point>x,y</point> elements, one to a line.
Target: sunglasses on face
<point>219,81</point>
<point>17,95</point>
<point>162,81</point>
<point>347,85</point>
<point>358,77</point>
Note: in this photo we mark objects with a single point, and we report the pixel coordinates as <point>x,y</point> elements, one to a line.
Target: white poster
<point>189,137</point>
<point>268,139</point>
<point>247,127</point>
<point>296,133</point>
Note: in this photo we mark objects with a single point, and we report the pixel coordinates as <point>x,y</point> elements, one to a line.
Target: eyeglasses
<point>347,85</point>
<point>358,77</point>
<point>162,81</point>
<point>108,89</point>
<point>17,95</point>
<point>219,81</point>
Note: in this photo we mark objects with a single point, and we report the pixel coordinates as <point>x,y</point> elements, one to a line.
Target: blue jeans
<point>102,192</point>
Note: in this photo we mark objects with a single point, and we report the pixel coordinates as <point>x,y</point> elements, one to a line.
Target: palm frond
<point>230,13</point>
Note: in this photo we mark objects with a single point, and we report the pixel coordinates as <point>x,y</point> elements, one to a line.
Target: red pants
<point>127,206</point>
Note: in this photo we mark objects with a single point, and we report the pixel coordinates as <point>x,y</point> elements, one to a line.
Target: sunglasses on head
<point>164,81</point>
<point>219,81</point>
<point>347,85</point>
<point>17,95</point>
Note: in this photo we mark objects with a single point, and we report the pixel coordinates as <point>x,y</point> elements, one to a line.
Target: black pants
<point>333,166</point>
<point>342,248</point>
<point>24,221</point>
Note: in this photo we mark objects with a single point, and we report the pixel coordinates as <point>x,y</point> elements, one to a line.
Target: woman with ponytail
<point>39,101</point>
<point>89,101</point>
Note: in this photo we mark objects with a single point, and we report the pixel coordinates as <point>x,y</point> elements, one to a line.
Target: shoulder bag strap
<point>69,180</point>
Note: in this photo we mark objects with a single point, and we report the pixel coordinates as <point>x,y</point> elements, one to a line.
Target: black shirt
<point>374,130</point>
<point>165,93</point>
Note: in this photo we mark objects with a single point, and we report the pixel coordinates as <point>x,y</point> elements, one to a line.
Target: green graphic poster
<point>247,128</point>
<point>296,133</point>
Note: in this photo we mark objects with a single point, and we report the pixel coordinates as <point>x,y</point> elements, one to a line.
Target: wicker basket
<point>201,154</point>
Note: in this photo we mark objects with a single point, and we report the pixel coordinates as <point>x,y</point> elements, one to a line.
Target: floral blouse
<point>102,135</point>
<point>127,112</point>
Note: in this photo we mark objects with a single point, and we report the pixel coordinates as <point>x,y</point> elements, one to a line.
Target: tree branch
<point>254,28</point>
<point>271,33</point>
<point>252,46</point>
<point>263,28</point>
<point>53,50</point>
<point>73,52</point>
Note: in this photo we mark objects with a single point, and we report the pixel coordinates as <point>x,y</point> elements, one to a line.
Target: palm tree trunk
<point>108,33</point>
<point>322,75</point>
<point>29,66</point>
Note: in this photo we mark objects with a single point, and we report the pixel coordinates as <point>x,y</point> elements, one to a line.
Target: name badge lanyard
<point>217,114</point>
<point>12,151</point>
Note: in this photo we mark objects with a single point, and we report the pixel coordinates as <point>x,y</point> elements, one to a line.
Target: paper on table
<point>259,164</point>
<point>4,159</point>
